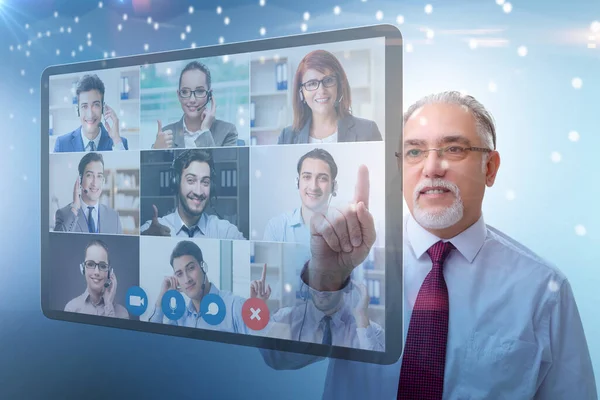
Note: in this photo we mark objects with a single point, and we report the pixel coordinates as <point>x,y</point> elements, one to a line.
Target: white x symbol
<point>255,313</point>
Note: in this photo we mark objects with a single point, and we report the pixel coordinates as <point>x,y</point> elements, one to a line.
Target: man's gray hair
<point>483,119</point>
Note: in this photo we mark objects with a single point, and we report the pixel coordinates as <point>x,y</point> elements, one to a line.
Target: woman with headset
<point>322,105</point>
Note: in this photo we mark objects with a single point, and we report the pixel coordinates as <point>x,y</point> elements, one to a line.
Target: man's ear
<point>492,166</point>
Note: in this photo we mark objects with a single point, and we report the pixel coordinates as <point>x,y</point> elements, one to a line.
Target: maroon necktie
<point>424,359</point>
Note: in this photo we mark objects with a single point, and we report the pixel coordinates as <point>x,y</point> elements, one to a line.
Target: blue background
<point>535,200</point>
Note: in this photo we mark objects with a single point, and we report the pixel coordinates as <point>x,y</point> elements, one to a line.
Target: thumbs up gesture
<point>156,228</point>
<point>164,139</point>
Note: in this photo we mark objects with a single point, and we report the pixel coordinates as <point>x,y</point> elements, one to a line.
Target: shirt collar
<point>337,318</point>
<point>87,299</point>
<point>296,218</point>
<point>202,222</point>
<point>87,141</point>
<point>85,205</point>
<point>190,306</point>
<point>187,132</point>
<point>468,242</point>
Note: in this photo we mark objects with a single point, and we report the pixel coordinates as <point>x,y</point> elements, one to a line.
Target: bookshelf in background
<point>270,101</point>
<point>121,192</point>
<point>374,274</point>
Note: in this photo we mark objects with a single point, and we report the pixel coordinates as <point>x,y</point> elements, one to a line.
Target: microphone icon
<point>173,304</point>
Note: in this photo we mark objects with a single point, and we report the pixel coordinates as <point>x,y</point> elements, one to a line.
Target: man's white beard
<point>442,219</point>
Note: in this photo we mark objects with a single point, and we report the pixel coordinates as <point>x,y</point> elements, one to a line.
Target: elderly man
<point>504,323</point>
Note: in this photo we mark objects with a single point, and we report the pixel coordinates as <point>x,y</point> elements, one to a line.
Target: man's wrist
<point>362,320</point>
<point>323,280</point>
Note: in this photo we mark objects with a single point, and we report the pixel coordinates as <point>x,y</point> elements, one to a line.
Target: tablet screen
<point>194,193</point>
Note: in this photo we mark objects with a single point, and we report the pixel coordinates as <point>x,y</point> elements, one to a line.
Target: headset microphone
<point>208,98</point>
<point>108,281</point>
<point>337,102</point>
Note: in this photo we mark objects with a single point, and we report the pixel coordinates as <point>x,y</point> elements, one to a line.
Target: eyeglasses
<point>450,153</point>
<point>102,266</point>
<point>198,93</point>
<point>313,84</point>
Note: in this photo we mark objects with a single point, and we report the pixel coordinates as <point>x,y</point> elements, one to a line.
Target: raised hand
<point>208,115</point>
<point>342,239</point>
<point>260,288</point>
<point>156,228</point>
<point>361,310</point>
<point>76,205</point>
<point>111,290</point>
<point>168,283</point>
<point>113,127</point>
<point>164,140</point>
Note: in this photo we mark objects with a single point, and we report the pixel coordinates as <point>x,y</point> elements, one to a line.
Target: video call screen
<point>189,193</point>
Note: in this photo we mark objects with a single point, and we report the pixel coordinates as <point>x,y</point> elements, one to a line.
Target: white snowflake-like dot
<point>580,230</point>
<point>573,136</point>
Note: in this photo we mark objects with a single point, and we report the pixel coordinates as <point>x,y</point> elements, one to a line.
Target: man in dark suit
<point>85,213</point>
<point>198,126</point>
<point>92,135</point>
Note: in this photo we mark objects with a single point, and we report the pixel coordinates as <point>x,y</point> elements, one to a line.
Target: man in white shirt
<point>194,185</point>
<point>510,323</point>
<point>316,184</point>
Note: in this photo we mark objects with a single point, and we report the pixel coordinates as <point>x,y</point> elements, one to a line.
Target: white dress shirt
<point>514,329</point>
<point>86,141</point>
<point>96,140</point>
<point>190,137</point>
<point>209,226</point>
<point>333,138</point>
<point>305,322</point>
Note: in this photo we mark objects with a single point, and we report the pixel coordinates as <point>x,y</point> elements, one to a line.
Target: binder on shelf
<point>228,178</point>
<point>223,177</point>
<point>370,262</point>
<point>74,92</point>
<point>278,76</point>
<point>51,130</point>
<point>124,88</point>
<point>376,291</point>
<point>252,114</point>
<point>234,178</point>
<point>252,252</point>
<point>284,82</point>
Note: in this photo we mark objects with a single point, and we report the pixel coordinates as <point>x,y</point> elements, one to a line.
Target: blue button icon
<point>136,300</point>
<point>173,305</point>
<point>212,309</point>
